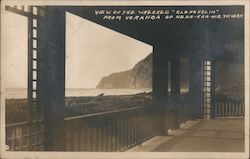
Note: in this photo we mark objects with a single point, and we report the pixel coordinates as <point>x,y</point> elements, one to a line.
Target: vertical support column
<point>51,76</point>
<point>175,88</point>
<point>155,74</point>
<point>160,74</point>
<point>195,86</point>
<point>160,82</point>
<point>175,77</point>
<point>213,86</point>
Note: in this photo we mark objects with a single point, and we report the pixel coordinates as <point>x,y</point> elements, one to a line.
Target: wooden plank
<point>17,11</point>
<point>41,12</point>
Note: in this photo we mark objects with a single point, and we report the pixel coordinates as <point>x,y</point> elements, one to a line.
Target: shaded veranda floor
<point>215,135</point>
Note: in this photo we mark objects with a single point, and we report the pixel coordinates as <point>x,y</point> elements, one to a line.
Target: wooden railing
<point>20,136</point>
<point>122,129</point>
<point>112,131</point>
<point>228,107</point>
<point>118,130</point>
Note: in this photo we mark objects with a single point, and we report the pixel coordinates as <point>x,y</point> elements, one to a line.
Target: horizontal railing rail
<point>228,107</point>
<point>103,113</point>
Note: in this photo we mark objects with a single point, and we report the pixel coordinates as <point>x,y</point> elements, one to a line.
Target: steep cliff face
<point>140,76</point>
<point>229,77</point>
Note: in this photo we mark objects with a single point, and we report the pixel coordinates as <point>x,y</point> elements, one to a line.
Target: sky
<point>14,50</point>
<point>92,51</point>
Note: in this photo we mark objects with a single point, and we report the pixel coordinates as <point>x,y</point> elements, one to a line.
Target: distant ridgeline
<point>229,79</point>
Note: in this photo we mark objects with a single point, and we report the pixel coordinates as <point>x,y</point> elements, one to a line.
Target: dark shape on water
<point>102,94</point>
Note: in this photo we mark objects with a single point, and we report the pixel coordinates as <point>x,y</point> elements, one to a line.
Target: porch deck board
<point>215,135</point>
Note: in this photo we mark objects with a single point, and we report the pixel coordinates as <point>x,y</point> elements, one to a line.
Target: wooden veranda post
<point>160,81</point>
<point>51,76</point>
<point>175,87</point>
<point>195,86</point>
<point>160,74</point>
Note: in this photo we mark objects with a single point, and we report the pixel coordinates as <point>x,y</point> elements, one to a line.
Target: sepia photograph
<point>123,79</point>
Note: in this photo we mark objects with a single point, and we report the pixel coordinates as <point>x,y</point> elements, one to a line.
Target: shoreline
<point>17,109</point>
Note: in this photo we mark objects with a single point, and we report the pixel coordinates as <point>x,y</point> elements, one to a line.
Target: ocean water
<point>18,93</point>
